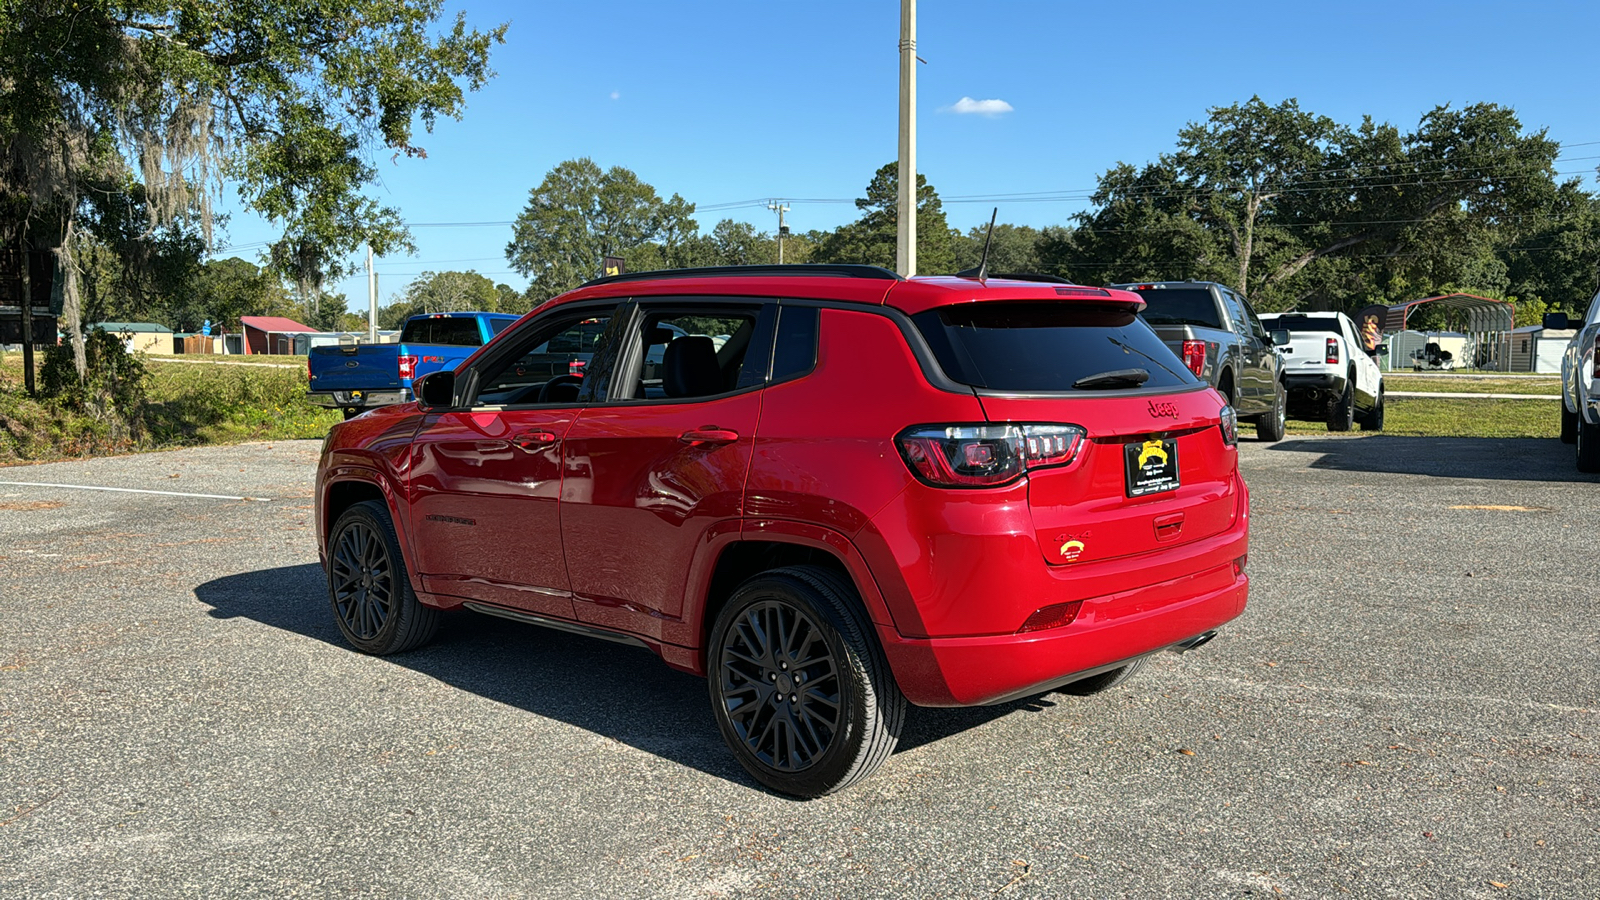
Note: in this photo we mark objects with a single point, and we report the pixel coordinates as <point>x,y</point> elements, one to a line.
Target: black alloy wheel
<point>780,686</point>
<point>371,595</point>
<point>799,687</point>
<point>361,579</point>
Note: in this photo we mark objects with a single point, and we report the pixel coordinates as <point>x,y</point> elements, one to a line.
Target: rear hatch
<point>1152,470</point>
<point>365,367</point>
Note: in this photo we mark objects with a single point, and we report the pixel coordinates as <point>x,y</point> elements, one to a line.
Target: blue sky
<point>732,102</point>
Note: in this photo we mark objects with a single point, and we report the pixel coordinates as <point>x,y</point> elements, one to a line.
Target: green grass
<point>188,404</point>
<point>1550,385</point>
<point>1459,417</point>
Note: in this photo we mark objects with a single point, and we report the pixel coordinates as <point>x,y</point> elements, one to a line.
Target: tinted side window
<point>1045,347</point>
<point>498,325</point>
<point>1235,308</point>
<point>795,351</point>
<point>692,353</point>
<point>516,380</point>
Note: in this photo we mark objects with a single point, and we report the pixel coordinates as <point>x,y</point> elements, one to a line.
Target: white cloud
<point>968,106</point>
<point>616,94</point>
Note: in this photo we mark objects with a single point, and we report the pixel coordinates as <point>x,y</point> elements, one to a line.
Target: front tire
<point>369,588</point>
<point>1270,425</point>
<point>1343,412</point>
<point>799,686</point>
<point>1588,447</point>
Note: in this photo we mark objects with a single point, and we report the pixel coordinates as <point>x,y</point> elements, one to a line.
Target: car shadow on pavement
<point>1502,459</point>
<point>623,693</point>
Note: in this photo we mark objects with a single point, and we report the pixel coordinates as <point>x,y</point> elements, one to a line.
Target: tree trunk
<point>71,308</point>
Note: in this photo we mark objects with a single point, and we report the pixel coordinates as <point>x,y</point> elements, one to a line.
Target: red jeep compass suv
<point>828,489</point>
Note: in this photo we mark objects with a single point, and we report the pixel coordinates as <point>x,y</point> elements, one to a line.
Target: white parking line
<point>87,487</point>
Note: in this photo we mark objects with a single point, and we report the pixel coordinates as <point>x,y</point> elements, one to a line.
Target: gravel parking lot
<point>1409,707</point>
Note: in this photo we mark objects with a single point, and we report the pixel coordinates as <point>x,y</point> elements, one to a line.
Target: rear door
<point>1153,470</point>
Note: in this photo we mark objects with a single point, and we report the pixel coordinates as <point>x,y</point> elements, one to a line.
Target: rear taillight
<point>1230,426</point>
<point>1333,351</point>
<point>1194,356</point>
<point>577,366</point>
<point>408,366</point>
<point>985,455</point>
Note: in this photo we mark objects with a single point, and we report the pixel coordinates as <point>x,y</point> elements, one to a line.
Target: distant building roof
<point>275,324</point>
<point>132,327</point>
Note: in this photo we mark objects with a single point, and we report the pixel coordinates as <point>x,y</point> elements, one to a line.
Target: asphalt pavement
<point>1409,707</point>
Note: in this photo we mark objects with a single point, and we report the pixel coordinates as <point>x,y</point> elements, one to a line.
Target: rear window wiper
<point>1113,379</point>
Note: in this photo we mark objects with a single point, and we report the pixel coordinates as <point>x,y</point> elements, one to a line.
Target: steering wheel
<point>558,381</point>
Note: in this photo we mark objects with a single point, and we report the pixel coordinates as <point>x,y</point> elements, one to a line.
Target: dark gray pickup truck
<point>1213,329</point>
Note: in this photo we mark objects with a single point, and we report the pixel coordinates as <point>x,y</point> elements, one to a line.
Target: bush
<point>113,391</point>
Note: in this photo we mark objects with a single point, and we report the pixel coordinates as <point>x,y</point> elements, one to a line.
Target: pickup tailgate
<point>1307,353</point>
<point>364,367</point>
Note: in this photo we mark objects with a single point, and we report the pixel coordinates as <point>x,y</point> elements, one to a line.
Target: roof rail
<point>1014,276</point>
<point>826,270</point>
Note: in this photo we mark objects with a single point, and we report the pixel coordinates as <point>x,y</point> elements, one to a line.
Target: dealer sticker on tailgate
<point>1152,467</point>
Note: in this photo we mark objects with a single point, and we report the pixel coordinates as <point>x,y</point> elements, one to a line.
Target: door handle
<point>709,434</point>
<point>534,440</point>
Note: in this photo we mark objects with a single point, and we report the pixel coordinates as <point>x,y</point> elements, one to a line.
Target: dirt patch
<point>31,505</point>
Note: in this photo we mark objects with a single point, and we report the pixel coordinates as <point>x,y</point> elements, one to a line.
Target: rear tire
<point>1342,414</point>
<point>1270,425</point>
<point>1588,447</point>
<point>799,687</point>
<point>1373,421</point>
<point>369,588</point>
<point>1105,681</point>
<point>1569,425</point>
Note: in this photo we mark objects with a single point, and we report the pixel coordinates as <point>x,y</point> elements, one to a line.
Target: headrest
<point>690,365</point>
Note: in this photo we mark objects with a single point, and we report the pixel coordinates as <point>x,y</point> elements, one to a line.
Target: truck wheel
<point>1373,421</point>
<point>1588,447</point>
<point>368,586</point>
<point>799,686</point>
<point>1105,681</point>
<point>1269,425</point>
<point>1342,414</point>
<point>1569,425</point>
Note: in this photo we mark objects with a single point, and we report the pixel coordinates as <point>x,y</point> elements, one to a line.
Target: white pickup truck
<point>1580,385</point>
<point>1329,376</point>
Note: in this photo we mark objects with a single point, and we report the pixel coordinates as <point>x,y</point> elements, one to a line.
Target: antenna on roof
<point>983,261</point>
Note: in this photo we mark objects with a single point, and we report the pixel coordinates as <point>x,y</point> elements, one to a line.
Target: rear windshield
<point>1180,306</point>
<point>1302,323</point>
<point>1045,347</point>
<point>460,331</point>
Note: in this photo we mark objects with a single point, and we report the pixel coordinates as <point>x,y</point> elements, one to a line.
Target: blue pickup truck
<point>359,377</point>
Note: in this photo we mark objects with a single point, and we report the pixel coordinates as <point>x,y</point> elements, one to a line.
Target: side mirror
<point>436,390</point>
<point>1557,321</point>
<point>1280,338</point>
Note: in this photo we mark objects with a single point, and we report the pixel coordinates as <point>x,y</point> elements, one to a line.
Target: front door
<point>486,479</point>
<point>660,468</point>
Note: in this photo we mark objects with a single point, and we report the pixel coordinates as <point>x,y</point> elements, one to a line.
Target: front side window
<point>550,364</point>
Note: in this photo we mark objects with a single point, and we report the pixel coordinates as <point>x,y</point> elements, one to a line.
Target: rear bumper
<point>1319,382</point>
<point>360,399</point>
<point>980,671</point>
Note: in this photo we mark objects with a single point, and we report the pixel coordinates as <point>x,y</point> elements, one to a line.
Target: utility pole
<point>780,209</point>
<point>372,300</point>
<point>906,240</point>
